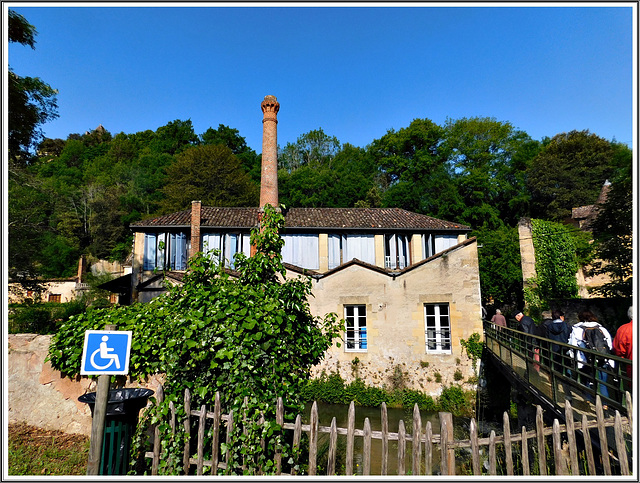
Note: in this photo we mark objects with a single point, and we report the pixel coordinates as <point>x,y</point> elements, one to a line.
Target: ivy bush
<point>249,337</point>
<point>556,261</point>
<point>331,388</point>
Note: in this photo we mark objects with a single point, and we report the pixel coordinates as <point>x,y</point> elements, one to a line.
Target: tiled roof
<point>309,218</point>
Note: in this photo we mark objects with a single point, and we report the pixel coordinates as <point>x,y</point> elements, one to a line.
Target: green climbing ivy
<point>556,262</point>
<point>249,337</point>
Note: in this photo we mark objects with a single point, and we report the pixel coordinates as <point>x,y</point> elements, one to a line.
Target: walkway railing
<point>555,377</point>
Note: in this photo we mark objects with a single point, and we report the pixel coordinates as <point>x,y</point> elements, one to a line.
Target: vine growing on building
<point>556,261</point>
<point>251,338</point>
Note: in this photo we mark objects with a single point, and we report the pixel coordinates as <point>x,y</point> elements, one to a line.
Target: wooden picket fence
<point>564,443</point>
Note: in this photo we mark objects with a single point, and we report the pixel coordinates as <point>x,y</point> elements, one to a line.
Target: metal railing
<point>554,375</point>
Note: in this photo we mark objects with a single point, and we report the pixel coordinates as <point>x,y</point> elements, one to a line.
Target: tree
<point>252,336</point>
<point>413,171</point>
<point>211,174</point>
<point>174,138</point>
<point>612,229</point>
<point>488,159</point>
<point>32,102</point>
<point>231,138</point>
<point>500,266</point>
<point>310,149</point>
<point>567,173</point>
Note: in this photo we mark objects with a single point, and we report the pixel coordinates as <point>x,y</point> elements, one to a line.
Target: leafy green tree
<point>174,137</point>
<point>32,102</point>
<point>568,172</point>
<point>612,229</point>
<point>488,159</point>
<point>310,149</point>
<point>211,174</point>
<point>500,266</point>
<point>414,173</point>
<point>231,138</point>
<point>252,336</point>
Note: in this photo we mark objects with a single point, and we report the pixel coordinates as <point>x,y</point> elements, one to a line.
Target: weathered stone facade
<point>39,396</point>
<point>396,319</point>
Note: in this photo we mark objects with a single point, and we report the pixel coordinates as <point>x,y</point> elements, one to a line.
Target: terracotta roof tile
<point>309,218</point>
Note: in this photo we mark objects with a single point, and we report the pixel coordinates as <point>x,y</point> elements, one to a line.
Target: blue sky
<point>354,71</point>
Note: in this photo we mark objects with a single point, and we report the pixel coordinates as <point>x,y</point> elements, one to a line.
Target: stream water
<point>326,412</point>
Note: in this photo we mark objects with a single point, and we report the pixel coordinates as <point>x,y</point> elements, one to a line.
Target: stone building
<point>407,285</point>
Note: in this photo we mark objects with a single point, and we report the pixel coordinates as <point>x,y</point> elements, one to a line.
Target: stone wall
<point>39,396</point>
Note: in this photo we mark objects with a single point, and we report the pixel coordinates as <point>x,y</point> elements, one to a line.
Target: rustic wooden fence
<point>563,446</point>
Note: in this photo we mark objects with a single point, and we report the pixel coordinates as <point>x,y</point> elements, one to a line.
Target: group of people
<point>583,334</point>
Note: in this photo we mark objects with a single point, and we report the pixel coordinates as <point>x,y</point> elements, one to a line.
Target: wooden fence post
<point>492,453</point>
<point>187,430</point>
<point>508,454</point>
<point>417,440</point>
<point>215,440</point>
<point>297,434</point>
<point>475,449</point>
<point>525,452</point>
<point>620,445</point>
<point>385,438</point>
<point>201,424</point>
<point>366,448</point>
<point>313,439</point>
<point>333,439</point>
<point>279,422</point>
<point>542,450</point>
<point>428,450</point>
<point>401,447</point>
<point>351,422</point>
<point>156,435</point>
<point>446,436</point>
<point>602,433</point>
<point>571,437</point>
<point>586,435</point>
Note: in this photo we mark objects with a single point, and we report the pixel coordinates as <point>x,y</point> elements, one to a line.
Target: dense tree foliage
<point>612,229</point>
<point>211,174</point>
<point>567,173</point>
<point>32,102</point>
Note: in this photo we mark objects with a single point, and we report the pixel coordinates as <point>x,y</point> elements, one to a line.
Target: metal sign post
<point>105,353</point>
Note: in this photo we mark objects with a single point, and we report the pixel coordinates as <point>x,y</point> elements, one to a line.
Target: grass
<point>35,451</point>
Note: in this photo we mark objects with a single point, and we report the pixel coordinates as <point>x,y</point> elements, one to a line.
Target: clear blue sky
<point>354,71</point>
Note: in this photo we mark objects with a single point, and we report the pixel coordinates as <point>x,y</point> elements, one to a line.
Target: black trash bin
<point>121,419</point>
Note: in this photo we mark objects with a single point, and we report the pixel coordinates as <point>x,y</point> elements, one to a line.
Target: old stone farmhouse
<point>407,285</point>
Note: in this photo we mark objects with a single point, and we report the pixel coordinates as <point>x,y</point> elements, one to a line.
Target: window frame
<point>441,334</point>
<point>359,315</point>
<point>165,258</point>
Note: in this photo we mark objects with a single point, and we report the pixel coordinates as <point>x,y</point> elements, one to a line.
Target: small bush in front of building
<point>457,376</point>
<point>41,318</point>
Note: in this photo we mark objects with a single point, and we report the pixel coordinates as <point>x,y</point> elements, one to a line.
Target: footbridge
<point>529,364</point>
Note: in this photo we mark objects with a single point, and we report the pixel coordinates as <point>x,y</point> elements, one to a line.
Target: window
<point>165,251</point>
<point>55,297</point>
<point>361,247</point>
<point>355,317</point>
<point>432,244</point>
<point>227,244</point>
<point>113,298</point>
<point>396,251</point>
<point>437,328</point>
<point>301,250</point>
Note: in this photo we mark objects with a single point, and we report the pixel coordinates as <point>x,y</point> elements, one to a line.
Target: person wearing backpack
<point>559,331</point>
<point>590,334</point>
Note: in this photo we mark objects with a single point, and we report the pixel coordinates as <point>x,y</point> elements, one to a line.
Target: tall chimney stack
<point>269,174</point>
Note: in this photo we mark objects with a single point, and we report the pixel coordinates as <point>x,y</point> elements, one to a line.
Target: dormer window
<point>396,252</point>
<point>165,251</point>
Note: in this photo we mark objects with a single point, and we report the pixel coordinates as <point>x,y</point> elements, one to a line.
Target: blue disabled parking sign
<point>106,352</point>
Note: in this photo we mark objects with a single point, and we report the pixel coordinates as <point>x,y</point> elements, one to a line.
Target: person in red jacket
<point>623,342</point>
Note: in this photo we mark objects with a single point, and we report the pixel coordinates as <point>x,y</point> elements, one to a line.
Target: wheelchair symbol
<point>104,352</point>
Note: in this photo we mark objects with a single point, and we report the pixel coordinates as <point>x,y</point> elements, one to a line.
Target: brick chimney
<point>196,207</point>
<point>269,174</point>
